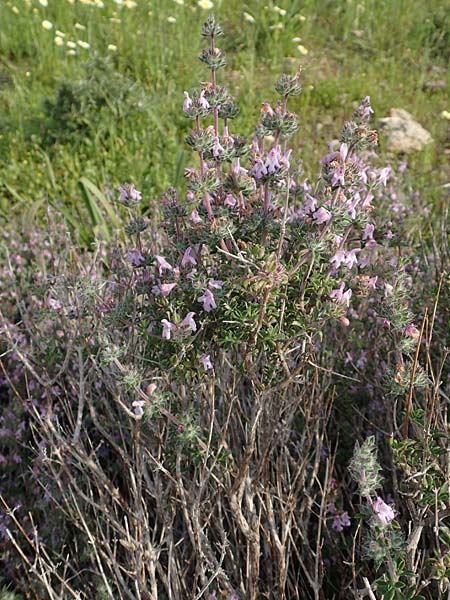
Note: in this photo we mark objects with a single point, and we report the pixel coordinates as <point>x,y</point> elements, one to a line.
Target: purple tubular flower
<point>284,160</point>
<point>188,259</point>
<point>322,215</point>
<point>368,232</point>
<point>208,300</point>
<point>162,264</point>
<point>217,148</point>
<point>340,521</point>
<point>168,327</point>
<point>412,331</point>
<point>206,361</point>
<point>129,195</point>
<point>202,101</point>
<point>340,296</point>
<point>383,511</point>
<point>187,102</point>
<point>215,284</point>
<point>338,176</point>
<point>135,257</point>
<point>372,283</point>
<point>350,258</point>
<point>309,205</point>
<point>166,288</point>
<point>194,217</point>
<point>364,109</point>
<point>384,175</point>
<point>272,161</point>
<point>230,201</point>
<point>188,321</point>
<point>259,169</point>
<point>338,259</point>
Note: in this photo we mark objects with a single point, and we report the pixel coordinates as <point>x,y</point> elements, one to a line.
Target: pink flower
<point>372,283</point>
<point>194,217</point>
<point>368,232</point>
<point>202,101</point>
<point>412,331</point>
<point>338,259</point>
<point>343,151</point>
<point>53,304</point>
<point>207,298</point>
<point>162,264</point>
<point>215,284</point>
<point>187,102</point>
<point>230,201</point>
<point>384,175</point>
<point>384,512</point>
<point>206,361</point>
<point>188,259</point>
<point>340,296</point>
<point>310,204</point>
<point>272,160</point>
<point>138,406</point>
<point>168,327</point>
<point>188,321</point>
<point>350,258</point>
<point>284,160</point>
<point>322,215</point>
<point>217,148</point>
<point>259,169</point>
<point>338,176</point>
<point>166,288</point>
<point>340,521</point>
<point>266,109</point>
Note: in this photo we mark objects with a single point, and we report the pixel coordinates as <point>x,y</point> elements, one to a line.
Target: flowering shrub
<point>176,391</point>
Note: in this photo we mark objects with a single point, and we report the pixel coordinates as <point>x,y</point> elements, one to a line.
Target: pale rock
<point>402,133</point>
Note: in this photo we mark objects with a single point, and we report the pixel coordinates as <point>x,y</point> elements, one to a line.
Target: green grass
<point>127,124</point>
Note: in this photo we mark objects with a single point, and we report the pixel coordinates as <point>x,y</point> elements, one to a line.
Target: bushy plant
<point>183,389</point>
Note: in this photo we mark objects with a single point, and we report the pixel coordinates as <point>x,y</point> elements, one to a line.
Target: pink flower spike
<point>383,511</point>
<point>188,321</point>
<point>207,298</point>
<point>188,259</point>
<point>206,361</point>
<point>168,327</point>
<point>162,264</point>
